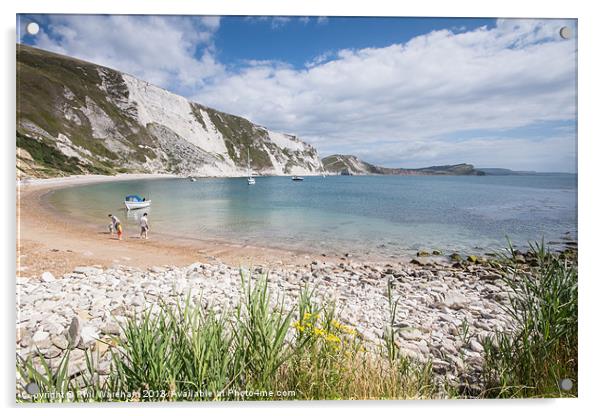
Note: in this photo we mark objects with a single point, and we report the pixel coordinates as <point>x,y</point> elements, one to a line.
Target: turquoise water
<point>368,216</point>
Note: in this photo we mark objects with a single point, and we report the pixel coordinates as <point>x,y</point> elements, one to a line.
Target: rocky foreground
<point>443,314</point>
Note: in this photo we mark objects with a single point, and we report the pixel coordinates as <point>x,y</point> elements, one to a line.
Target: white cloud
<point>279,21</point>
<point>159,49</point>
<point>391,105</point>
<point>276,22</point>
<point>515,74</point>
<point>555,153</point>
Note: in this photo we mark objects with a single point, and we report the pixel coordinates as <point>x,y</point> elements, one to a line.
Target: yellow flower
<point>350,331</point>
<point>319,332</point>
<point>308,316</point>
<point>332,338</point>
<point>344,328</point>
<point>298,326</point>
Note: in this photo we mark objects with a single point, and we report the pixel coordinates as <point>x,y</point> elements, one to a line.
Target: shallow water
<point>368,216</point>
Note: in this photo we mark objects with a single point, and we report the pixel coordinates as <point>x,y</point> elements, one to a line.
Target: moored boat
<point>297,178</point>
<point>250,179</point>
<point>136,202</point>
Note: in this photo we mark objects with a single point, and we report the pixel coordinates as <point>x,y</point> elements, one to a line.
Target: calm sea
<point>367,216</point>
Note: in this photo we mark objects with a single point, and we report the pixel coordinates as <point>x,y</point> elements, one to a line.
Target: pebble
<point>475,346</point>
<point>48,277</point>
<point>60,341</point>
<point>86,307</point>
<point>40,336</point>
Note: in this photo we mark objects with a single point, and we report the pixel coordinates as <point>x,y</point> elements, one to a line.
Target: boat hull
<point>136,205</point>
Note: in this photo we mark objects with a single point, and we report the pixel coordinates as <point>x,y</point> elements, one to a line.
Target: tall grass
<point>256,351</point>
<point>261,350</point>
<point>531,361</point>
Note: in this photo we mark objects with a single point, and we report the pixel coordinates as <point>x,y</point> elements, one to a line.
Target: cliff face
<point>74,117</point>
<point>351,165</point>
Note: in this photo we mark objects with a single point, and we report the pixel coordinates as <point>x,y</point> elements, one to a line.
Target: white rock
<point>87,270</point>
<point>89,334</point>
<point>48,277</point>
<point>40,336</point>
<point>455,300</point>
<point>411,335</point>
<point>475,346</point>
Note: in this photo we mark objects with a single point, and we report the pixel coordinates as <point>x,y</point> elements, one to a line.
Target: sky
<point>397,92</point>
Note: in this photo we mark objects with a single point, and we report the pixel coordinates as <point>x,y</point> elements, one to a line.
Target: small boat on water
<point>250,179</point>
<point>192,179</point>
<point>297,178</point>
<point>136,202</point>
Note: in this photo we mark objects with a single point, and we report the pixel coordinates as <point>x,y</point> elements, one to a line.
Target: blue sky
<point>405,92</point>
<point>299,40</point>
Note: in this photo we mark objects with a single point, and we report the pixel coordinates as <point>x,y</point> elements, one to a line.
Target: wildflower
<point>298,326</point>
<point>332,338</point>
<point>344,328</point>
<point>319,332</point>
<point>308,316</point>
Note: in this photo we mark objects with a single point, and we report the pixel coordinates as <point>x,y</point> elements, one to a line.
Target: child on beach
<point>116,224</point>
<point>144,226</point>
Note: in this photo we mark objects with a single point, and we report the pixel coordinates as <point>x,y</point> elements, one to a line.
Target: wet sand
<point>47,241</point>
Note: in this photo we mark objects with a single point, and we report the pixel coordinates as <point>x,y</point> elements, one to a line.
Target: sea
<point>376,217</point>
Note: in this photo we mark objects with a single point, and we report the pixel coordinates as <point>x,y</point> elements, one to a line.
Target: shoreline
<point>46,241</point>
<point>49,241</point>
<point>75,180</point>
<point>72,275</point>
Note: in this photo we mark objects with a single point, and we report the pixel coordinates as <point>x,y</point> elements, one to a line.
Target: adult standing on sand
<point>144,226</point>
<point>116,226</point>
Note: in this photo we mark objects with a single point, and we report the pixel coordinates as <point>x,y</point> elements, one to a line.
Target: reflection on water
<point>134,215</point>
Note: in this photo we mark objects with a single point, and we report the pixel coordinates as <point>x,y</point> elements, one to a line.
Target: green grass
<point>182,349</point>
<point>42,78</point>
<point>260,346</point>
<point>48,156</point>
<point>543,349</point>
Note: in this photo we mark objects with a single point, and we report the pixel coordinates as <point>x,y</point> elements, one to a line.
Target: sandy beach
<point>445,311</point>
<point>47,241</point>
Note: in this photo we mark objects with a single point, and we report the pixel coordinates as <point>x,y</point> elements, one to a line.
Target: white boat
<point>250,179</point>
<point>136,202</point>
<point>297,178</point>
<point>192,179</point>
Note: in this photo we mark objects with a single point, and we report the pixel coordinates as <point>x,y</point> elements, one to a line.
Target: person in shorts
<point>144,226</point>
<point>116,226</point>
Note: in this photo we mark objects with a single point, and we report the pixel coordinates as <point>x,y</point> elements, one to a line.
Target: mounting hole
<point>565,32</point>
<point>32,388</point>
<point>32,28</point>
<point>566,384</point>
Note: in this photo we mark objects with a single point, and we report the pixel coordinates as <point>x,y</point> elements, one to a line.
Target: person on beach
<point>144,226</point>
<point>116,226</point>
